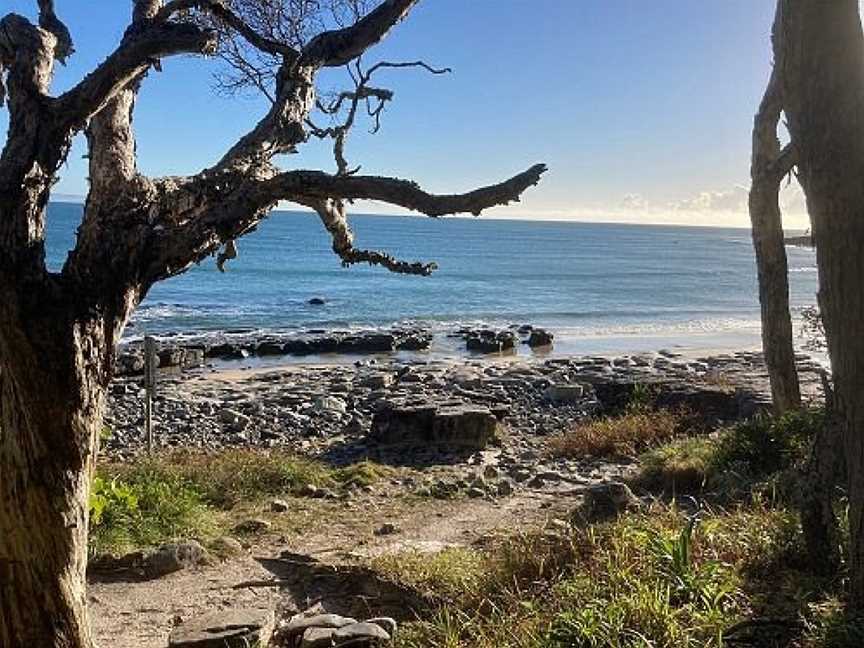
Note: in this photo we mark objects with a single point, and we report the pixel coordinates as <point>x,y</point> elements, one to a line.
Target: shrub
<point>682,466</point>
<point>766,445</point>
<point>142,509</point>
<point>633,431</point>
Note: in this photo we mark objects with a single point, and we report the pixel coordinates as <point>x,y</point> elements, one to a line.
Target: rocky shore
<point>484,412</point>
<point>177,353</point>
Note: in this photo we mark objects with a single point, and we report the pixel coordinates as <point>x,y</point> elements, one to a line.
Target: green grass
<point>659,579</point>
<point>187,495</point>
<point>734,460</point>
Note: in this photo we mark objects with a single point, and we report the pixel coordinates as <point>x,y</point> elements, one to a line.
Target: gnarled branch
<point>303,186</point>
<point>218,10</point>
<point>335,219</point>
<point>49,21</point>
<point>341,46</point>
<point>362,92</point>
<point>135,54</point>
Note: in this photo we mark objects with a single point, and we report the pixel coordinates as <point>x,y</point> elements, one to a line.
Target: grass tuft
<point>627,434</point>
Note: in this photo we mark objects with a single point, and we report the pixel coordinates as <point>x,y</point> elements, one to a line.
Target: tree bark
<point>768,167</point>
<point>52,394</point>
<point>819,48</point>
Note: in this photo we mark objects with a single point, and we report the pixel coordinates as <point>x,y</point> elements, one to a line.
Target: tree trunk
<point>51,409</point>
<point>772,267</point>
<point>768,167</point>
<point>820,49</point>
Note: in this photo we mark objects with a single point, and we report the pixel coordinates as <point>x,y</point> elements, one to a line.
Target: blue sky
<point>641,108</point>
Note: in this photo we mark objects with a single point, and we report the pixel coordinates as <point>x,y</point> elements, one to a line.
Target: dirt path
<point>142,614</point>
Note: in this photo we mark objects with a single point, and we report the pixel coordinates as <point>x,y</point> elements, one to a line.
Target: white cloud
<point>634,201</point>
<point>729,200</point>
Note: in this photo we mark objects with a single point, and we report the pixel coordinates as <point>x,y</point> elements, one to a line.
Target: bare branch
<point>335,218</point>
<point>300,186</point>
<point>422,64</point>
<point>135,54</point>
<point>49,22</point>
<point>218,10</point>
<point>362,92</point>
<point>341,46</point>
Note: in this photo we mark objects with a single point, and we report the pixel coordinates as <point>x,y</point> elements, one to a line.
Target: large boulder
<point>367,343</point>
<point>447,424</point>
<point>173,557</point>
<point>225,629</point>
<point>540,338</point>
<point>486,341</point>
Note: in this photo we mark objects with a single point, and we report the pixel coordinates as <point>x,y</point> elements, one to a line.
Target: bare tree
<point>59,331</point>
<point>770,164</point>
<point>819,55</point>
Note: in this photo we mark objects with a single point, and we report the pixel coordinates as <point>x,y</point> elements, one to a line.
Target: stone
<point>171,357</point>
<point>608,500</point>
<point>540,338</point>
<point>386,529</point>
<point>490,342</point>
<point>565,393</point>
<point>234,419</point>
<point>490,472</point>
<point>330,404</point>
<point>253,525</point>
<point>279,506</point>
<point>130,364</point>
<point>173,557</point>
<point>464,426</point>
<point>226,546</point>
<point>317,301</point>
<point>360,634</point>
<point>299,624</point>
<point>270,348</point>
<point>310,490</point>
<point>367,343</point>
<point>317,638</point>
<point>239,628</point>
<point>378,381</point>
<point>387,623</point>
<point>193,357</point>
<point>414,341</point>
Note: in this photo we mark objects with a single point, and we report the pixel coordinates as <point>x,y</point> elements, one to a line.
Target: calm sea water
<point>632,284</point>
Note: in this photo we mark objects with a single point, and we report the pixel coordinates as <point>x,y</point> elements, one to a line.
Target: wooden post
<point>150,363</point>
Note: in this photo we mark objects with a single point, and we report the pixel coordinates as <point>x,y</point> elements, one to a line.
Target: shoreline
<point>251,348</point>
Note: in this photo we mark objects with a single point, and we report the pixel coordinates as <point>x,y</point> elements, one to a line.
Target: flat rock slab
<point>226,629</point>
<point>458,425</point>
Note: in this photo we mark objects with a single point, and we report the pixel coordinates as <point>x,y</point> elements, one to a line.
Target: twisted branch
<point>362,92</point>
<point>341,46</point>
<point>305,186</point>
<point>218,10</point>
<point>136,53</point>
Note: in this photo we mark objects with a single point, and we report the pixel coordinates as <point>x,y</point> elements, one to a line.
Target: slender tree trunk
<point>777,338</point>
<point>768,167</point>
<point>819,47</point>
<point>52,393</point>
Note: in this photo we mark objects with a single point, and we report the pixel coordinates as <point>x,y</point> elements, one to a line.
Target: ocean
<point>598,287</point>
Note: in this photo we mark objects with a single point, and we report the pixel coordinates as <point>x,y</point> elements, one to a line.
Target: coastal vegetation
<point>689,527</point>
